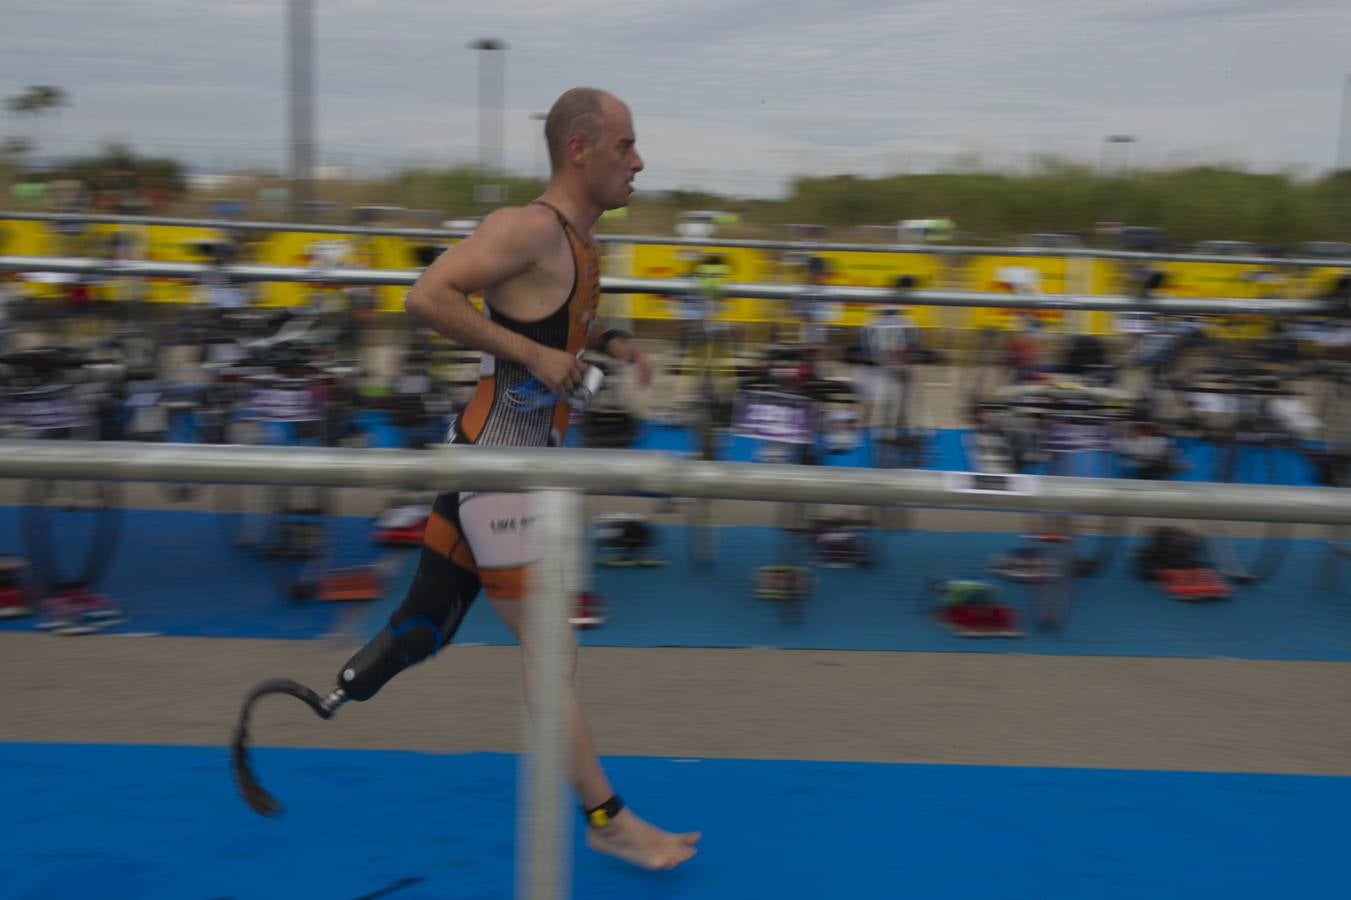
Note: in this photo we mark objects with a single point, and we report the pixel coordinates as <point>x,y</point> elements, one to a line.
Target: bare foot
<point>631,839</point>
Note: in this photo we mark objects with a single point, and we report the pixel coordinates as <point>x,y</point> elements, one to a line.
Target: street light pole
<point>300,73</point>
<point>1344,132</point>
<point>1125,140</point>
<point>490,102</point>
<point>539,139</point>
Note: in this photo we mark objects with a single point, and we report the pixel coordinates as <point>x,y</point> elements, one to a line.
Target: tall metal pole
<point>1124,141</point>
<point>300,80</point>
<point>1344,132</point>
<point>538,141</point>
<point>490,113</point>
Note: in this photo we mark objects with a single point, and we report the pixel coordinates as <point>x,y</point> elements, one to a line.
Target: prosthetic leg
<point>440,596</point>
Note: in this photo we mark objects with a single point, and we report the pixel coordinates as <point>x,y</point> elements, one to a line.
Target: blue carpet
<point>887,606</point>
<point>947,452</point>
<point>103,822</point>
<point>176,574</point>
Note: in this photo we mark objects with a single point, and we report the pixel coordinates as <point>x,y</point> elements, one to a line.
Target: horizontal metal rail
<point>637,473</point>
<point>681,286</point>
<point>438,234</point>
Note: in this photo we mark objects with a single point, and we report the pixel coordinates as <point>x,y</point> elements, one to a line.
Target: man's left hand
<point>627,351</point>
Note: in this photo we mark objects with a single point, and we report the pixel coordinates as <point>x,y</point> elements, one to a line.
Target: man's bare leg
<point>626,836</point>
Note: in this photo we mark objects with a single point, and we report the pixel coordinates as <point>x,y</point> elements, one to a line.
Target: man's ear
<point>579,148</point>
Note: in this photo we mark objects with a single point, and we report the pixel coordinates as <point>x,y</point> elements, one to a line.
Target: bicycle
<point>785,409</point>
<point>1057,428</point>
<point>48,394</point>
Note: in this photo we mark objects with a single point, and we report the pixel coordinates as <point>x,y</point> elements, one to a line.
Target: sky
<point>734,96</point>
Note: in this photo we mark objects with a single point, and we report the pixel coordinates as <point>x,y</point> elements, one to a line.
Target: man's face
<point>613,161</point>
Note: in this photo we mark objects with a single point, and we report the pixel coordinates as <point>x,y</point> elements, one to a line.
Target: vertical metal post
<point>490,102</point>
<point>300,72</point>
<point>1344,132</point>
<point>539,141</point>
<point>1336,549</point>
<point>485,155</point>
<point>544,835</point>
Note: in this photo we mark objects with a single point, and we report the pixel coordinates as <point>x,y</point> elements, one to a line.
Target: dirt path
<point>1204,715</point>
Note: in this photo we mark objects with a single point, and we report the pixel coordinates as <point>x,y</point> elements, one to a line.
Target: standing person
<point>889,343</point>
<point>539,271</point>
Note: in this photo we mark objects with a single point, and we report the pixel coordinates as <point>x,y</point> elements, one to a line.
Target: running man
<point>539,271</point>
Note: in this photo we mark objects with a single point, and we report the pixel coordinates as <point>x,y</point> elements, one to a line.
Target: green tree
<point>35,102</point>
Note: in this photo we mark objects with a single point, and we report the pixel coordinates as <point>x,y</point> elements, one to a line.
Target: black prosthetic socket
<point>437,601</point>
<point>384,657</point>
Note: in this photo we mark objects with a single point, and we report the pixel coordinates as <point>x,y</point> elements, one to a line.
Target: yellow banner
<point>1049,274</point>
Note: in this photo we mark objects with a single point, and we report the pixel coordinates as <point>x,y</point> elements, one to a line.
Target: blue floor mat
<point>947,452</point>
<point>108,822</point>
<point>175,574</point>
<point>888,606</point>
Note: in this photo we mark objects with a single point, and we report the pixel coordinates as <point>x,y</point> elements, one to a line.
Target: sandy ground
<point>993,709</point>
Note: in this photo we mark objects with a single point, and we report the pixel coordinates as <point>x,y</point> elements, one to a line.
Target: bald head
<point>580,111</point>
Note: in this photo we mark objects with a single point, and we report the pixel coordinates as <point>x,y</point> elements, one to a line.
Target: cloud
<point>753,89</point>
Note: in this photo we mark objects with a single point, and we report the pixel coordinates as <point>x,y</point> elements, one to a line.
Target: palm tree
<point>47,98</point>
<point>21,105</point>
<point>37,100</point>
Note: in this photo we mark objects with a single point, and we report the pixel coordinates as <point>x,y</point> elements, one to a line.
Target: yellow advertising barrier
<point>332,251</point>
<point>1048,274</point>
<point>854,269</point>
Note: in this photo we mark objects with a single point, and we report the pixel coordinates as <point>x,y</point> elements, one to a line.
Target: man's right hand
<point>558,369</point>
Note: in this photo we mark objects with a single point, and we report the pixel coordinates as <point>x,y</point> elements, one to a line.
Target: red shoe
<point>360,583</point>
<point>78,610</point>
<point>979,620</point>
<point>402,526</point>
<point>14,596</point>
<point>14,603</point>
<point>588,611</point>
<point>1002,621</point>
<point>1176,583</point>
<point>1207,584</point>
<point>961,619</point>
<point>1194,584</point>
<point>401,537</point>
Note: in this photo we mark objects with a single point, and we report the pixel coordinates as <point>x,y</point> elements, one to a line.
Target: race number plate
<point>990,483</point>
<point>778,418</point>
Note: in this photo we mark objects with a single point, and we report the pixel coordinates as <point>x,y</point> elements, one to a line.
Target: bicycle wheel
<point>301,544</point>
<point>1249,463</point>
<point>702,533</point>
<point>244,513</point>
<point>80,518</point>
<point>1093,540</point>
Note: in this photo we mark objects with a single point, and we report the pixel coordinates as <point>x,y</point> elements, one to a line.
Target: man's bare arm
<point>504,245</point>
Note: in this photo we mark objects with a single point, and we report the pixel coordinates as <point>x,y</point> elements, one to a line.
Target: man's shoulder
<point>523,223</point>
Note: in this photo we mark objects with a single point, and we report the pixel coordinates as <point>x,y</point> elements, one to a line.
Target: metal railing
<point>558,477</point>
<point>678,286</point>
<point>637,473</point>
<point>706,243</point>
